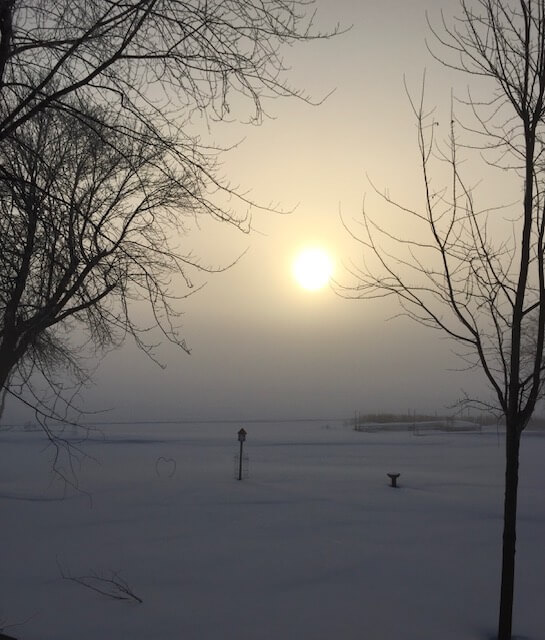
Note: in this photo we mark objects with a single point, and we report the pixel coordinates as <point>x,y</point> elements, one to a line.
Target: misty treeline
<point>474,270</point>
<point>103,166</point>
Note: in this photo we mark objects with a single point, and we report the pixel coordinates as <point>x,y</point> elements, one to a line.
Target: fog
<point>260,345</point>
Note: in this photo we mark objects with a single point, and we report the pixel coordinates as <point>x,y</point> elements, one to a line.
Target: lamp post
<point>241,439</point>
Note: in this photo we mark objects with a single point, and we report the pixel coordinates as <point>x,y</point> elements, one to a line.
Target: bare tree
<point>101,156</point>
<point>478,274</point>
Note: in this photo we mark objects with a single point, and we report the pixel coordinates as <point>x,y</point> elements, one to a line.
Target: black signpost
<point>241,439</point>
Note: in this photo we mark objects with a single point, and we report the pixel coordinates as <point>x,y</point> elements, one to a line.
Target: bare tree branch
<point>109,584</point>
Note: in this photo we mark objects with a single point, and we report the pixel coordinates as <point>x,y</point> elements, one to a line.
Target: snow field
<point>315,544</point>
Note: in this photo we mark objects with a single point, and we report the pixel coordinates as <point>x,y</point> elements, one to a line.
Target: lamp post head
<point>241,435</point>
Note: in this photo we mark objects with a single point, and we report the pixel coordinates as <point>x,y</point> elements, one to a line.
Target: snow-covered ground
<point>314,545</point>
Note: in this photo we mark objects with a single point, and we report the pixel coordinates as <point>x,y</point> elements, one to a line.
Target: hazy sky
<point>261,346</point>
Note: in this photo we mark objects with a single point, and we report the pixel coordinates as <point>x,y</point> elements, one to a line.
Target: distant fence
<point>421,428</point>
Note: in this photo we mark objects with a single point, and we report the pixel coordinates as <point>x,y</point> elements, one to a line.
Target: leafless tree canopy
<point>101,162</point>
<point>141,56</point>
<point>87,226</point>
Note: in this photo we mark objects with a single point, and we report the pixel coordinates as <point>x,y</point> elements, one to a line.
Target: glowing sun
<point>312,268</point>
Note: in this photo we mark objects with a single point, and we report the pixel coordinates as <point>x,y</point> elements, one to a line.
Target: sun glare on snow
<point>312,268</point>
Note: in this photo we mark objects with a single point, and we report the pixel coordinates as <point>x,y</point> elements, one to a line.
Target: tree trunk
<point>7,364</point>
<point>509,531</point>
<point>4,378</point>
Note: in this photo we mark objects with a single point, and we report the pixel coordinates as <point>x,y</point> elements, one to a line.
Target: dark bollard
<point>393,477</point>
